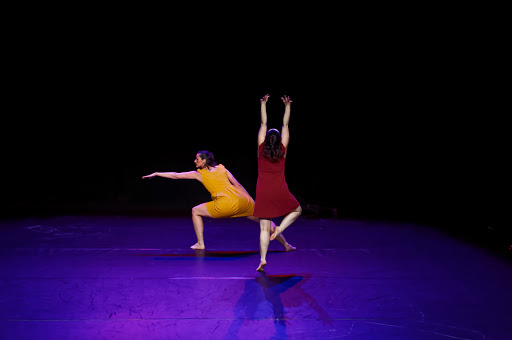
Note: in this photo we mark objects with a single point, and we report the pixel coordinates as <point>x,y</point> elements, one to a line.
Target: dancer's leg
<point>264,241</point>
<point>280,238</point>
<point>285,223</point>
<point>288,247</point>
<point>197,219</point>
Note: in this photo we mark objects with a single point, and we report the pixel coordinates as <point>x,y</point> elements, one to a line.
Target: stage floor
<point>125,277</point>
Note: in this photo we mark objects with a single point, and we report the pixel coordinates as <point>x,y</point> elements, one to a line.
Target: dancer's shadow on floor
<point>267,296</point>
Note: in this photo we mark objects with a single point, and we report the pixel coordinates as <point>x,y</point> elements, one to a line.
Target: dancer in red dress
<point>273,198</point>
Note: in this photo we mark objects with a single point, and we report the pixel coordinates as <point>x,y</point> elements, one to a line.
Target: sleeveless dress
<point>227,200</point>
<point>273,198</point>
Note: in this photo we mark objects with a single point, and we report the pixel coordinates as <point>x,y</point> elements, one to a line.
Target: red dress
<point>273,198</point>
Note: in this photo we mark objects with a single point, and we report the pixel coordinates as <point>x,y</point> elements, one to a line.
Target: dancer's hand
<point>286,100</point>
<point>264,99</point>
<point>150,176</point>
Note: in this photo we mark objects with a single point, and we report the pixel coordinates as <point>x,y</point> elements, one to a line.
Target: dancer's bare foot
<point>288,247</point>
<point>197,246</point>
<point>276,233</point>
<point>261,268</point>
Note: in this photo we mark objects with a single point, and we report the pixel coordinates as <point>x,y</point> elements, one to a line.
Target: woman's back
<point>215,180</point>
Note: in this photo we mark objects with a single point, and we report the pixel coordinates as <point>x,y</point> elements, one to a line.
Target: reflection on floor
<point>118,277</point>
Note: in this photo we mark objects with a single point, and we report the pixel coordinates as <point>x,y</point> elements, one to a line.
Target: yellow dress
<point>227,200</point>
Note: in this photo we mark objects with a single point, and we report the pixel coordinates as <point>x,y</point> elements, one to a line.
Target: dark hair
<point>272,146</point>
<point>210,160</point>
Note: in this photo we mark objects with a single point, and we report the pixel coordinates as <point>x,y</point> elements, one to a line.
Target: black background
<point>398,123</point>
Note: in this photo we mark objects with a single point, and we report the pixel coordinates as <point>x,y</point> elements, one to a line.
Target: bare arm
<point>233,181</point>
<point>285,132</point>
<point>263,126</point>
<point>176,175</point>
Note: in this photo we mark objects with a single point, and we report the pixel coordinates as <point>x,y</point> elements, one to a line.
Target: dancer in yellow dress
<point>229,197</point>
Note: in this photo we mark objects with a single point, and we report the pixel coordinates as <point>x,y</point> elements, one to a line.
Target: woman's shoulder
<point>217,168</point>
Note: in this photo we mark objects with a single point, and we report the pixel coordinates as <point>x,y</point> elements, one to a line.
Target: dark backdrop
<point>378,130</point>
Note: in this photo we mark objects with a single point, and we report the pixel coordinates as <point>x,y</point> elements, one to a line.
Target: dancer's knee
<point>299,210</point>
<point>265,225</point>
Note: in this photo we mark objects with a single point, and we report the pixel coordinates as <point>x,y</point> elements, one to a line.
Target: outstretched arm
<point>263,126</point>
<point>233,181</point>
<point>176,175</point>
<point>285,132</point>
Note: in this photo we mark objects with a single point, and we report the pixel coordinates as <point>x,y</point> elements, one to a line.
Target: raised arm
<point>263,126</point>
<point>285,132</point>
<point>176,175</point>
<point>233,181</point>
